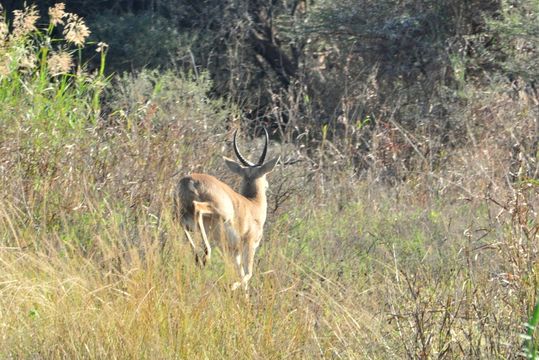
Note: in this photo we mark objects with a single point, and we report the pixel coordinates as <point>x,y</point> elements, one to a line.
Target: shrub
<point>138,41</point>
<point>43,83</point>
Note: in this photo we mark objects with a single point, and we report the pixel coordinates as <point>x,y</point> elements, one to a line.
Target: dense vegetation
<point>403,221</point>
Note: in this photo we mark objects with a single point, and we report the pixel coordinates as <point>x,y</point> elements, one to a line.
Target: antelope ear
<point>233,166</point>
<point>268,166</point>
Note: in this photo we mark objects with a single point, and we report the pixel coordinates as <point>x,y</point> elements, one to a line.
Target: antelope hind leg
<point>203,208</point>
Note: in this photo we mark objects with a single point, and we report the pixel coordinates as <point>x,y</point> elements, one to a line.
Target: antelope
<point>211,205</point>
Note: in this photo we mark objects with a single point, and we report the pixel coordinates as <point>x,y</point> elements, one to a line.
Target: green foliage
<point>517,35</point>
<point>144,40</point>
<point>169,93</point>
<point>41,82</point>
<point>530,344</point>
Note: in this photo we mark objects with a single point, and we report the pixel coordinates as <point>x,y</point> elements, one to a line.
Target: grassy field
<point>440,265</point>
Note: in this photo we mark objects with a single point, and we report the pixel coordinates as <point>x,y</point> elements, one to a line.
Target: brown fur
<point>209,205</point>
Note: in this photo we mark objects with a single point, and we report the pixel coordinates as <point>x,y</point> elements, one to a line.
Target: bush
<point>43,82</point>
<point>138,41</point>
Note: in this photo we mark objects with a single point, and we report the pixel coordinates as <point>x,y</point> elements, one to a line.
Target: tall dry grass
<point>443,265</point>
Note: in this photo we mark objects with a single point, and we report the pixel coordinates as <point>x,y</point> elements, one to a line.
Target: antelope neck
<point>254,189</point>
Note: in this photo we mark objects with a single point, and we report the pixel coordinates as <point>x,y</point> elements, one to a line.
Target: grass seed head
<point>27,61</point>
<point>57,13</point>
<point>76,30</point>
<point>3,32</point>
<point>24,21</point>
<point>60,63</point>
<point>101,47</point>
<point>4,67</point>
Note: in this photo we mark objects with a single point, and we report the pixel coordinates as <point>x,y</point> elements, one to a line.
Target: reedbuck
<point>212,206</point>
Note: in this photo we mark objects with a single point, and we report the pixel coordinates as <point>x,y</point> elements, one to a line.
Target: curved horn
<point>238,155</point>
<point>264,152</point>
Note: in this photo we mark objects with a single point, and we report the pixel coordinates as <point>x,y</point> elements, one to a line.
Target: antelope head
<point>254,183</point>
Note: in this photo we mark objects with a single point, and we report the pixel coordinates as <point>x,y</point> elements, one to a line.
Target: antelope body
<point>209,205</point>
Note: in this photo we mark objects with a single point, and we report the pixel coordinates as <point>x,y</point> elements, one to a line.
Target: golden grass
<point>118,292</point>
<point>59,304</point>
